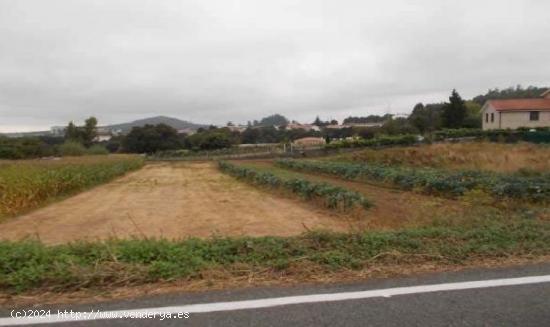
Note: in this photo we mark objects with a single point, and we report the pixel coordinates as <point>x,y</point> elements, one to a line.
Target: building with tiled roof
<point>516,113</point>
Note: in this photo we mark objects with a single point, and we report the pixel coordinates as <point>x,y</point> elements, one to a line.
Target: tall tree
<point>89,131</point>
<point>454,112</point>
<point>72,133</point>
<point>273,120</point>
<point>151,138</point>
<point>317,121</point>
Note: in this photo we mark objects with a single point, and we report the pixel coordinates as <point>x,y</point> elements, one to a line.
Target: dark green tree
<point>72,133</point>
<point>151,138</point>
<point>89,131</point>
<point>454,112</point>
<point>273,120</point>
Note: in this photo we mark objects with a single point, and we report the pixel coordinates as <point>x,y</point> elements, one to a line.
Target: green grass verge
<point>31,265</point>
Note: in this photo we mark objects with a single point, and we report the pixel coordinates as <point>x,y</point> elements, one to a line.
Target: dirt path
<point>172,201</point>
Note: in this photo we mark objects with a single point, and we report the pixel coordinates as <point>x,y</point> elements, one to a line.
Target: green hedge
<point>334,197</point>
<point>539,135</point>
<point>383,140</point>
<point>432,181</point>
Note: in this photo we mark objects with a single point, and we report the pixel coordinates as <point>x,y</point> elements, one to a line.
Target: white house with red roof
<point>515,113</point>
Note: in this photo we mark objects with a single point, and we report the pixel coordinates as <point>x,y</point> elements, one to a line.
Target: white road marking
<point>281,301</point>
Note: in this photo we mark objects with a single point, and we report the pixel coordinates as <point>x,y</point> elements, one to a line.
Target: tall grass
<point>28,183</point>
<point>471,155</point>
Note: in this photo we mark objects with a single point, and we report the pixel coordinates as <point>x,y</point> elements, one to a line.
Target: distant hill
<point>173,122</point>
<point>124,127</point>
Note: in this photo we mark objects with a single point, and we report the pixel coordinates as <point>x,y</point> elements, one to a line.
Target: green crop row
<point>27,184</point>
<point>333,197</point>
<point>433,181</point>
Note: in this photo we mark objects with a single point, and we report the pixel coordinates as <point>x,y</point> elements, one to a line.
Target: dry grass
<point>474,155</point>
<point>170,200</point>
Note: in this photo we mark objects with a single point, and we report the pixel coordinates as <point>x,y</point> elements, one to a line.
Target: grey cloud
<point>214,61</point>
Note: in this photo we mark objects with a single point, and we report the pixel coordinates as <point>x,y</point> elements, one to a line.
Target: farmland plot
<point>171,201</point>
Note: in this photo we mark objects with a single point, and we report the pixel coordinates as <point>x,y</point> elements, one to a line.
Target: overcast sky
<point>211,61</point>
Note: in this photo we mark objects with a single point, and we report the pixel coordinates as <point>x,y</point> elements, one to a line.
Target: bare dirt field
<point>171,201</point>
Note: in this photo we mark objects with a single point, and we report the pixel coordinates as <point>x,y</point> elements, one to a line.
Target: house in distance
<point>516,113</point>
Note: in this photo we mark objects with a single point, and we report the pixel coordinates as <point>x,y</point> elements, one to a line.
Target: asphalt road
<point>509,305</point>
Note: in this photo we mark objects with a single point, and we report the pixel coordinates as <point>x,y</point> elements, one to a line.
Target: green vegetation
<point>150,139</point>
<point>517,92</point>
<point>97,149</point>
<point>539,135</point>
<point>84,135</point>
<point>72,148</point>
<point>433,181</point>
<point>27,184</point>
<point>383,140</point>
<point>333,197</point>
<point>211,139</point>
<point>29,147</point>
<point>30,265</point>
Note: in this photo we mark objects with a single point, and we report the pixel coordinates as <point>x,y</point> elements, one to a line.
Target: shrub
<point>97,150</point>
<point>333,197</point>
<point>72,148</point>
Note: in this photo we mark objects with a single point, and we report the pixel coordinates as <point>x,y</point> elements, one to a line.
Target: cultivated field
<point>489,156</point>
<point>261,221</point>
<point>391,207</point>
<point>27,184</point>
<point>171,201</point>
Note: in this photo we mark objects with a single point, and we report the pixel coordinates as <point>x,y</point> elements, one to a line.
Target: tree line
<point>425,119</point>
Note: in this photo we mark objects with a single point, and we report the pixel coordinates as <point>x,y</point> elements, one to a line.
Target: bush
<point>334,197</point>
<point>27,147</point>
<point>97,150</point>
<point>72,148</point>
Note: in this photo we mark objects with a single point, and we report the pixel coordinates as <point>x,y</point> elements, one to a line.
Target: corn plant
<point>27,184</point>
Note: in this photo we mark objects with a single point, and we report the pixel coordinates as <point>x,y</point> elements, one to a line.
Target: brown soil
<point>171,201</point>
